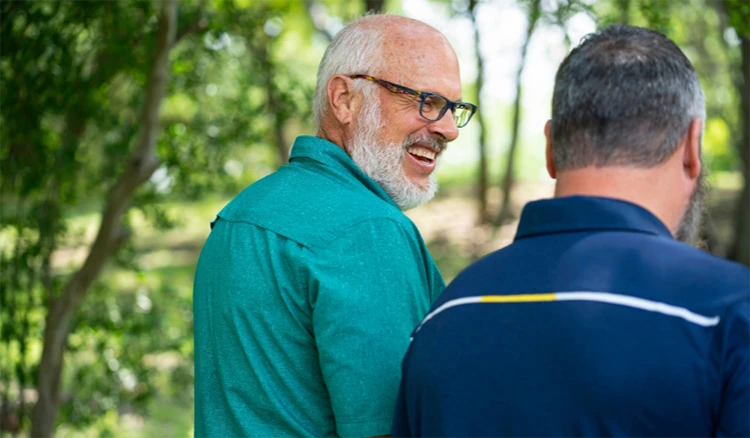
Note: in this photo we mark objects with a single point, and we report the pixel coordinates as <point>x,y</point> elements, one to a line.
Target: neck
<point>648,188</point>
<point>334,134</point>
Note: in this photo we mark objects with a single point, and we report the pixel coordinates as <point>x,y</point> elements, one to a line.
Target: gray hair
<point>354,50</point>
<point>624,97</point>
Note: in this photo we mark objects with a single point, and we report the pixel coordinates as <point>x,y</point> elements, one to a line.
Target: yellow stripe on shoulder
<point>525,298</point>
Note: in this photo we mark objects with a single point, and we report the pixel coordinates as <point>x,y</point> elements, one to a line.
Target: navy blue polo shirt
<point>594,322</point>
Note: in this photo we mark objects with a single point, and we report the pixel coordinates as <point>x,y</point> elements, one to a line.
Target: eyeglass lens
<point>433,108</point>
<point>462,115</point>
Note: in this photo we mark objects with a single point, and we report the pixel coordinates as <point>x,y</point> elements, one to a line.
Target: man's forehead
<point>415,55</point>
<point>413,36</point>
<point>424,69</point>
<point>391,24</point>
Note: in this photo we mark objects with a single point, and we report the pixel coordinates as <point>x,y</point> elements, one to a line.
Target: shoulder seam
<point>252,224</point>
<point>342,231</point>
<point>321,243</point>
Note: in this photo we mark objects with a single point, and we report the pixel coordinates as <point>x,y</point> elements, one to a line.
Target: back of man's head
<point>624,97</point>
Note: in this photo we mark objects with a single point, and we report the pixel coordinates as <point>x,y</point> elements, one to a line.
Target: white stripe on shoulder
<point>601,297</point>
<point>448,305</point>
<point>640,303</point>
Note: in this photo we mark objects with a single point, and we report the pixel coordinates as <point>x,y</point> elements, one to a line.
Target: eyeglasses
<point>432,106</point>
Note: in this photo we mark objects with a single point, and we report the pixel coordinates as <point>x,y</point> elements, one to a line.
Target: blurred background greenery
<point>127,125</point>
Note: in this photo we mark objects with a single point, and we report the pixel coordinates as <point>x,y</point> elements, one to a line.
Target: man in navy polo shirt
<point>596,321</point>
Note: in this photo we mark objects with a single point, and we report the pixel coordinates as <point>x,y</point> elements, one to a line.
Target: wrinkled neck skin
<point>335,134</point>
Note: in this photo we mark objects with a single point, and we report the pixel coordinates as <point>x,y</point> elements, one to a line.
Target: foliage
<point>59,71</point>
<point>73,77</point>
<point>739,16</point>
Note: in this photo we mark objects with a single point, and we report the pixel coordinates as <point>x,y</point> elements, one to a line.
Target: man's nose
<point>445,127</point>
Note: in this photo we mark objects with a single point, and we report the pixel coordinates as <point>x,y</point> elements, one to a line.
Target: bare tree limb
<point>535,11</point>
<point>273,99</point>
<point>374,6</point>
<point>483,216</point>
<point>198,25</point>
<point>110,236</point>
<point>740,250</point>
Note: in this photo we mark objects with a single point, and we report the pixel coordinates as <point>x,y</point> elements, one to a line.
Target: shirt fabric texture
<point>593,322</point>
<point>305,294</point>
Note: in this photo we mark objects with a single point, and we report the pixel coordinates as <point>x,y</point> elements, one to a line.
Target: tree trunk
<point>624,6</point>
<point>374,6</point>
<point>508,180</point>
<point>143,163</point>
<point>482,178</point>
<point>273,99</point>
<point>741,249</point>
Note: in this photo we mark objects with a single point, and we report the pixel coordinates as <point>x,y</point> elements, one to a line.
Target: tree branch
<point>482,174</point>
<point>199,24</point>
<point>535,13</point>
<point>143,163</point>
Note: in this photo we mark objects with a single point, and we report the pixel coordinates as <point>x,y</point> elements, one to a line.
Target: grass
<point>167,417</point>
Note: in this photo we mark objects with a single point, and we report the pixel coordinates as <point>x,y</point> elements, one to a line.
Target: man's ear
<point>549,152</point>
<point>691,154</point>
<point>341,99</point>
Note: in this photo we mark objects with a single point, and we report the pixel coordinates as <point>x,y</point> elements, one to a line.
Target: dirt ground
<point>449,224</point>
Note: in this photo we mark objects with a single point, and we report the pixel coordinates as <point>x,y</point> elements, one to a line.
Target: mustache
<point>436,145</point>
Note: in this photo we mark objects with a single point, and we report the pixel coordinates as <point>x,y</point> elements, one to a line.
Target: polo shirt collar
<point>586,213</point>
<point>335,160</point>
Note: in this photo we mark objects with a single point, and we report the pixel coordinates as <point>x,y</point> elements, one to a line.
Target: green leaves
<point>739,16</point>
<point>73,77</point>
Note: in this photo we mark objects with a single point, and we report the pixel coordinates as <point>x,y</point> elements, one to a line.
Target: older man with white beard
<point>312,279</point>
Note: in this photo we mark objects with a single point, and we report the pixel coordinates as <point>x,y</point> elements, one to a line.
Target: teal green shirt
<point>306,292</point>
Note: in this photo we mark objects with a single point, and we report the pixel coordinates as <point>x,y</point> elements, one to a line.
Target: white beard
<point>384,163</point>
<point>690,225</point>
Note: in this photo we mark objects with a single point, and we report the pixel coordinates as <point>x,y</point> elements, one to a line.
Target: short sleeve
<point>734,419</point>
<point>400,426</point>
<point>369,290</point>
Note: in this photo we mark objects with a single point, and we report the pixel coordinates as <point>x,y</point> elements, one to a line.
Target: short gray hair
<point>355,50</point>
<point>624,97</point>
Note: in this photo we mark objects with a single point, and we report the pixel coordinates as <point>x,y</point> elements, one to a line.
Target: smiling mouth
<point>422,154</point>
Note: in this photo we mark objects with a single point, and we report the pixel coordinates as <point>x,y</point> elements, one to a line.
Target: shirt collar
<point>585,213</point>
<point>336,160</point>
